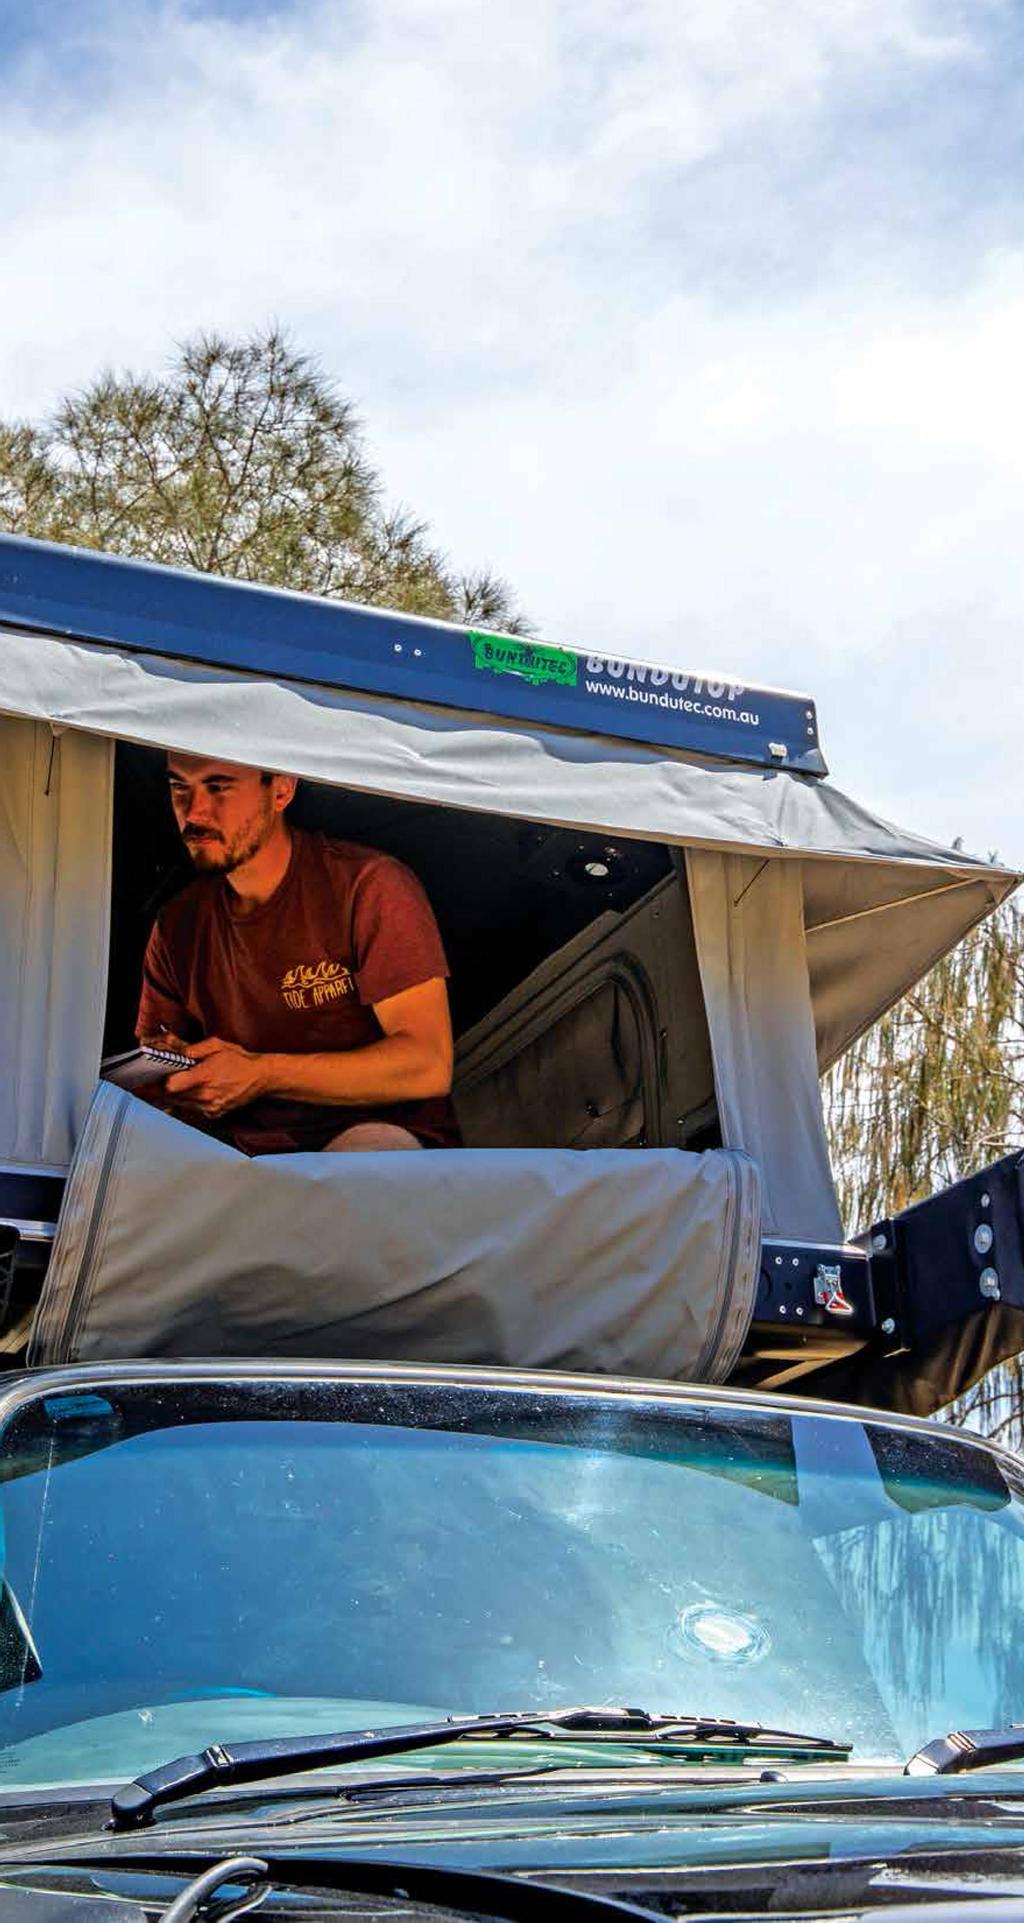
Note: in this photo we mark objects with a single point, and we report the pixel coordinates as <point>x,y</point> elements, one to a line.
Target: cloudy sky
<point>699,320</point>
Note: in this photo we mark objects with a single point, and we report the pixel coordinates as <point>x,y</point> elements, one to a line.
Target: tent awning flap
<point>415,752</point>
<point>857,973</point>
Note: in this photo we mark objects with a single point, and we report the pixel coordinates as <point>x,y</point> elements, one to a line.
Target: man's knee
<point>373,1135</point>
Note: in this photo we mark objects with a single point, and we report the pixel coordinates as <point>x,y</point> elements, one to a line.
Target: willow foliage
<point>932,1092</point>
<point>936,1087</point>
<point>241,459</point>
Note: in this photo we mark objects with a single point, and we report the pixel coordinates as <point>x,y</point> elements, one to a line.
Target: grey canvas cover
<point>170,1243</point>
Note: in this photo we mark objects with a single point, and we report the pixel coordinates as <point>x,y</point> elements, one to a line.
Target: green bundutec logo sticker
<point>530,660</point>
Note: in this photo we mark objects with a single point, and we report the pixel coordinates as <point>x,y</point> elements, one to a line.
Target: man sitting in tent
<point>304,976</point>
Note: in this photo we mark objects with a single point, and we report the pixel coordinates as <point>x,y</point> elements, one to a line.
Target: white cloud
<point>633,305</point>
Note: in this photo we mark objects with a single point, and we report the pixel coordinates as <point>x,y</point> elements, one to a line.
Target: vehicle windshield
<point>189,1563</point>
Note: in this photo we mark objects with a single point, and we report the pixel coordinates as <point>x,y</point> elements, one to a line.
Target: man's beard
<point>211,854</point>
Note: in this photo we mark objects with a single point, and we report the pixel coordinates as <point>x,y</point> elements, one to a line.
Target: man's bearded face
<point>225,813</point>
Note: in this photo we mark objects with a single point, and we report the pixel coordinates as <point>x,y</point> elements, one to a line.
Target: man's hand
<point>224,1077</point>
<point>411,1062</point>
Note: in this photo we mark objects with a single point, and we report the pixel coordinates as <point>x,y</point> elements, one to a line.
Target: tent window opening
<point>575,995</point>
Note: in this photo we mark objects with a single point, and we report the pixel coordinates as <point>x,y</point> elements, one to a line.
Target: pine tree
<point>240,459</point>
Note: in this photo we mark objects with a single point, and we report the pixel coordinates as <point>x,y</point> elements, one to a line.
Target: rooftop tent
<point>796,916</point>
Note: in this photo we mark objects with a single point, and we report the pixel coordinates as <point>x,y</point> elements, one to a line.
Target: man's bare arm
<point>411,1061</point>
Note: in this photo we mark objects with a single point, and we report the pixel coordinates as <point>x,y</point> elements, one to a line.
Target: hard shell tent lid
<point>299,637</point>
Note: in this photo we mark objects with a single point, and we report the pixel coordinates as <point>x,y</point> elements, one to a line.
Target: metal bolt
<point>782,1308</point>
<point>878,1243</point>
<point>983,1238</point>
<point>398,647</point>
<point>988,1283</point>
<point>778,1261</point>
<point>796,1261</point>
<point>799,1312</point>
<point>418,652</point>
<point>888,1326</point>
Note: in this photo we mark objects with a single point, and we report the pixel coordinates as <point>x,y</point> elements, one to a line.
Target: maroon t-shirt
<point>347,927</point>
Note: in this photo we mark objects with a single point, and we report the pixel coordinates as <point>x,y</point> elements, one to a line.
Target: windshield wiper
<point>222,1764</point>
<point>962,1749</point>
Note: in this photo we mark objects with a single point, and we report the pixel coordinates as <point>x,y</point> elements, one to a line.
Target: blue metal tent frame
<point>81,595</point>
